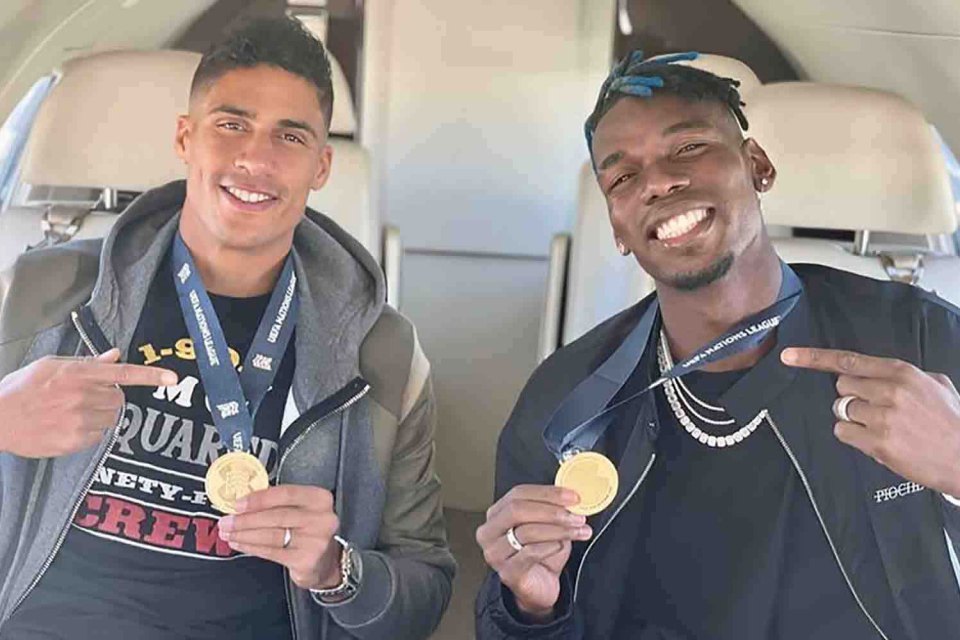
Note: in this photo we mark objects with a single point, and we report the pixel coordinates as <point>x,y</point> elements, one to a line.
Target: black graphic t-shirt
<point>727,542</point>
<point>143,557</point>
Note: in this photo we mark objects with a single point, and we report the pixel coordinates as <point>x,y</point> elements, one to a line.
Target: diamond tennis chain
<point>677,397</point>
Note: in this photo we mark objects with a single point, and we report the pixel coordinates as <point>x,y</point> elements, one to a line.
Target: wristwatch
<point>351,573</point>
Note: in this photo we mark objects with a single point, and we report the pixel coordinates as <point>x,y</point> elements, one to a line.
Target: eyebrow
<point>611,160</point>
<point>232,110</point>
<point>687,125</point>
<point>299,124</point>
<point>286,123</point>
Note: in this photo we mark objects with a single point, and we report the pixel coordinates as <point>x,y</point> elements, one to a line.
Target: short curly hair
<point>280,42</point>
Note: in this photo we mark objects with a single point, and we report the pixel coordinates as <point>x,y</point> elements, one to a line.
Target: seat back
<point>107,124</point>
<point>108,127</point>
<point>110,122</point>
<point>860,160</point>
<point>600,282</point>
<point>347,195</point>
<point>593,282</point>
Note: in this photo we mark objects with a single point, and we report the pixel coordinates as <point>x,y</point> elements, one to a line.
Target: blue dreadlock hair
<point>635,76</point>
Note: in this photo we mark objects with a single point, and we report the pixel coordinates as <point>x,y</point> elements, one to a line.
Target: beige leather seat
<point>107,128</point>
<point>861,160</point>
<point>588,280</point>
<point>82,142</point>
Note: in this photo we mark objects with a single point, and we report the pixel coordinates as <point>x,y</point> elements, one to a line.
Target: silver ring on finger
<point>287,537</point>
<point>512,540</point>
<point>840,406</point>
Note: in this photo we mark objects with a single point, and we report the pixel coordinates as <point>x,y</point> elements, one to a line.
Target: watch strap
<point>349,577</point>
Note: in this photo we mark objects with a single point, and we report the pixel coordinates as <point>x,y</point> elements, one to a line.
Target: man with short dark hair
<point>263,377</point>
<point>686,470</point>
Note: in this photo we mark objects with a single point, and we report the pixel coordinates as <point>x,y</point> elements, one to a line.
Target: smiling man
<point>754,451</point>
<point>266,470</point>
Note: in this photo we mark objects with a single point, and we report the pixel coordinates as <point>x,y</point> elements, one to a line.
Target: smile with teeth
<point>680,224</point>
<point>251,197</point>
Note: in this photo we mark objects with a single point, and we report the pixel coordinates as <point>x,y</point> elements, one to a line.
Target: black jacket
<point>836,310</point>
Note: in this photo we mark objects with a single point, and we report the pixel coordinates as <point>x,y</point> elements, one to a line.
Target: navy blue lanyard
<point>569,430</point>
<point>234,399</point>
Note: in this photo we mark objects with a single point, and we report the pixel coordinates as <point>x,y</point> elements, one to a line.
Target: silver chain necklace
<point>677,393</point>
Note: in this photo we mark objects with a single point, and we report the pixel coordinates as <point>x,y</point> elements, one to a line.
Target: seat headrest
<point>344,120</point>
<point>593,260</point>
<point>727,68</point>
<point>110,120</point>
<point>850,158</point>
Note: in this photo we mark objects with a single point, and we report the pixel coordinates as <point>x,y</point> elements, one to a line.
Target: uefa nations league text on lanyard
<point>234,399</point>
<point>592,475</point>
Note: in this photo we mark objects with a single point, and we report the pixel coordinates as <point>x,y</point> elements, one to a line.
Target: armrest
<point>551,323</point>
<point>391,259</point>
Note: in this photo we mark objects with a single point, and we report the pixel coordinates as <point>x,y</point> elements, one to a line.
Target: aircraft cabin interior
<point>459,160</point>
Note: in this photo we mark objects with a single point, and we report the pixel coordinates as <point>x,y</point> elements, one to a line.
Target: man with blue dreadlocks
<point>754,451</point>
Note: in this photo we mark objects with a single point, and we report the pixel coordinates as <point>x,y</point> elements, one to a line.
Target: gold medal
<point>231,477</point>
<point>593,477</point>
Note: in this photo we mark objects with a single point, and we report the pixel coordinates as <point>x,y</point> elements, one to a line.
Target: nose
<point>661,180</point>
<point>256,155</point>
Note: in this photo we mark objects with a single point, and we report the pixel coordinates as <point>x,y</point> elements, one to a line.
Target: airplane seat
<point>860,160</point>
<point>105,128</point>
<point>348,195</point>
<point>588,281</point>
<point>105,133</point>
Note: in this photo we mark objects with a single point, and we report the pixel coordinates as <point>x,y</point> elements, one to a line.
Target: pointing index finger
<point>838,361</point>
<point>131,375</point>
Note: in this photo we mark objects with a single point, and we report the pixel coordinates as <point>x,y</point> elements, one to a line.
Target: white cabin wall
<point>473,113</point>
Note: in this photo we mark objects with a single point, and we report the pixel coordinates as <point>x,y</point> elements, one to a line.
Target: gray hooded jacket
<point>359,419</point>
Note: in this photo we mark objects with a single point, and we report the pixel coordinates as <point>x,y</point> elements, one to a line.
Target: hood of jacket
<point>341,287</point>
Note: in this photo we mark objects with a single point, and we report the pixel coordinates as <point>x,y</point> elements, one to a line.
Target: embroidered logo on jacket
<point>897,491</point>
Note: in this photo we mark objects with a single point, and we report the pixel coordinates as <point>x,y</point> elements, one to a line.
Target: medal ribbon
<point>234,399</point>
<point>561,440</point>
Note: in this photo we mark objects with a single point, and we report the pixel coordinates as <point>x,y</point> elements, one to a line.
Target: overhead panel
<point>708,26</point>
<point>909,48</point>
<point>36,39</point>
<point>905,16</point>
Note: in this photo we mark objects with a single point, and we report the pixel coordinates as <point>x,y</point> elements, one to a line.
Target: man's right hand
<point>541,523</point>
<point>56,406</point>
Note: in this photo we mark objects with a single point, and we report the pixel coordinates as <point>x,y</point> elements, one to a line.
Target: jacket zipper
<point>583,561</point>
<point>343,407</point>
<point>113,438</point>
<point>75,317</point>
<point>823,526</point>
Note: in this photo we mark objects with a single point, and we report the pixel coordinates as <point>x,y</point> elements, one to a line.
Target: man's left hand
<point>906,419</point>
<point>262,519</point>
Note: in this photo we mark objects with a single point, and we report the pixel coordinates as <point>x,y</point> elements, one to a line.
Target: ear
<point>323,171</point>
<point>762,171</point>
<point>181,141</point>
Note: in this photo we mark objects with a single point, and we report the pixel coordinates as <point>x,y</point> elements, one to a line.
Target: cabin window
<point>14,133</point>
<point>953,170</point>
